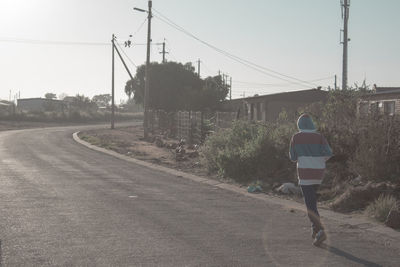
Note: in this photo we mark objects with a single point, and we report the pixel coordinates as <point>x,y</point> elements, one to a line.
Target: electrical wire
<point>237,59</point>
<point>281,84</point>
<point>140,27</point>
<point>130,60</point>
<point>245,62</point>
<point>48,42</point>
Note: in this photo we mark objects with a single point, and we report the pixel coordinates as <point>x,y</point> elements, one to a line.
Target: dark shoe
<point>319,238</point>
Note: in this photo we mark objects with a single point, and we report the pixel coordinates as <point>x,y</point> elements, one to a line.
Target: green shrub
<point>247,151</point>
<point>377,155</point>
<point>380,208</point>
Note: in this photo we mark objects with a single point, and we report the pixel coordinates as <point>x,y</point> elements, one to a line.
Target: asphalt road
<point>62,204</point>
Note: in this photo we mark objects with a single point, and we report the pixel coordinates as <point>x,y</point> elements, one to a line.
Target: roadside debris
<point>254,189</point>
<point>180,153</point>
<point>159,142</point>
<point>288,189</point>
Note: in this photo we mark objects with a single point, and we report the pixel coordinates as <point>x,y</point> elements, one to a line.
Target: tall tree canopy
<point>174,86</point>
<point>50,96</point>
<point>103,100</point>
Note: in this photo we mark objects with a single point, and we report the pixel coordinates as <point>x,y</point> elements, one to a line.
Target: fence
<point>192,126</point>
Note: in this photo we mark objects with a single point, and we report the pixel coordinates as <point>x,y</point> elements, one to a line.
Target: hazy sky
<point>298,38</point>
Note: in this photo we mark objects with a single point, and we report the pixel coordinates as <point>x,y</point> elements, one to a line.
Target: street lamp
<point>147,78</point>
<point>139,9</point>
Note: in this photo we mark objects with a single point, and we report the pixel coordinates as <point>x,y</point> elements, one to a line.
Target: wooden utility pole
<point>112,82</point>
<point>198,67</point>
<point>335,82</point>
<point>163,52</point>
<point>147,75</point>
<point>345,15</point>
<point>230,88</point>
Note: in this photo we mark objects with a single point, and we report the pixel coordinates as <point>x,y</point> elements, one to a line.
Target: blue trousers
<point>310,199</point>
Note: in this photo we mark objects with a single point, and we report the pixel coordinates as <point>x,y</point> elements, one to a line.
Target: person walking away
<point>310,150</point>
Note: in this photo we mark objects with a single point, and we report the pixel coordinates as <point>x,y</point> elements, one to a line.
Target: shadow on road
<point>348,256</point>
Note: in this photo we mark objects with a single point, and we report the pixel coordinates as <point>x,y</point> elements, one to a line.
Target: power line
<point>48,42</point>
<point>247,63</point>
<point>130,60</point>
<point>265,92</point>
<point>140,27</point>
<point>235,58</point>
<point>282,84</point>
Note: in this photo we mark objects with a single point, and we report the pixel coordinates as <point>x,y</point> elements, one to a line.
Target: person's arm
<point>292,151</point>
<point>326,150</point>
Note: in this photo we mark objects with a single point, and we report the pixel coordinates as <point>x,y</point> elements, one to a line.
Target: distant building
<point>40,104</point>
<point>268,107</point>
<point>383,100</point>
<point>6,107</point>
<point>69,99</point>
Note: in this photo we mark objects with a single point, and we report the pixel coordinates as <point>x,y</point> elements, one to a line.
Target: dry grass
<point>380,208</point>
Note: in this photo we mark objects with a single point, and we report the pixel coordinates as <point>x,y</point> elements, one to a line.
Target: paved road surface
<point>62,204</point>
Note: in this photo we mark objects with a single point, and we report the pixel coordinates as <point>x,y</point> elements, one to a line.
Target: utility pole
<point>335,82</point>
<point>230,89</point>
<point>345,14</point>
<point>147,74</point>
<point>163,52</point>
<point>198,67</point>
<point>112,82</point>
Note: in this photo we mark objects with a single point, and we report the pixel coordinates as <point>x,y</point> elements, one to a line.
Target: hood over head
<point>305,123</point>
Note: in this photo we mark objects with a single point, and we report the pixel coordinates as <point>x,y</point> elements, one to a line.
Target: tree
<point>62,96</point>
<point>174,86</point>
<point>83,103</point>
<point>50,96</point>
<point>103,100</point>
<point>214,91</point>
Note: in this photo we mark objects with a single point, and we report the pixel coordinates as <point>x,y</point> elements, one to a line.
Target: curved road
<point>62,204</point>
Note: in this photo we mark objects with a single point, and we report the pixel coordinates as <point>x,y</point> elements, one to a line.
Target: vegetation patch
<point>380,208</point>
<point>248,152</point>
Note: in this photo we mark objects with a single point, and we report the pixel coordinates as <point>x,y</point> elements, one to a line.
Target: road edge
<point>345,219</point>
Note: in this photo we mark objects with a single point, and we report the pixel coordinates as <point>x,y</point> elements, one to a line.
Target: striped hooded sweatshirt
<point>310,150</point>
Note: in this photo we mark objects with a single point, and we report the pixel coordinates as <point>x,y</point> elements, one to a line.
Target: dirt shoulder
<point>129,141</point>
